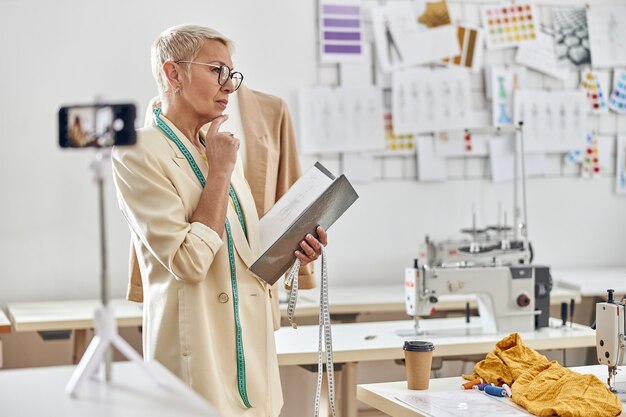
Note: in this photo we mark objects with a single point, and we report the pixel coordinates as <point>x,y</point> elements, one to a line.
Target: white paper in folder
<point>317,198</point>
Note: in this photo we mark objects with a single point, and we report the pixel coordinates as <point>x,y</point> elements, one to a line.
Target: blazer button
<point>223,297</point>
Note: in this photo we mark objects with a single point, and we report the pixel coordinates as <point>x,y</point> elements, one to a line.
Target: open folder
<point>317,198</point>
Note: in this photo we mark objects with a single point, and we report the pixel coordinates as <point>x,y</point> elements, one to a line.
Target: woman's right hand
<point>221,148</point>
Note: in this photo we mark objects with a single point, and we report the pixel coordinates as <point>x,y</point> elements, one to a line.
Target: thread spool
<point>495,391</point>
<point>480,387</point>
<point>470,384</point>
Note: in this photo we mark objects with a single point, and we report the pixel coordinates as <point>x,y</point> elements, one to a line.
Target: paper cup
<point>418,356</point>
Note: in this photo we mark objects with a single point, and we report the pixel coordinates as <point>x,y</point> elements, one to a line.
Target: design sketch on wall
<point>341,32</point>
<point>620,166</point>
<point>591,161</point>
<point>607,35</point>
<point>393,142</point>
<point>502,160</point>
<point>617,101</point>
<point>430,100</point>
<point>553,121</point>
<point>461,143</point>
<point>341,120</point>
<point>596,91</point>
<point>400,43</point>
<point>505,81</point>
<point>471,42</point>
<point>541,56</point>
<point>571,36</point>
<point>510,24</point>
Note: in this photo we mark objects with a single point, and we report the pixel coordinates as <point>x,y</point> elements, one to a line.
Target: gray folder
<point>324,211</point>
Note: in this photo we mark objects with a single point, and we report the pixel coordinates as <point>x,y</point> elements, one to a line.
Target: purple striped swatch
<point>338,9</point>
<point>340,30</point>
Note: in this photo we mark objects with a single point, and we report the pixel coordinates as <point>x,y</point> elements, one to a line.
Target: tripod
<point>98,352</point>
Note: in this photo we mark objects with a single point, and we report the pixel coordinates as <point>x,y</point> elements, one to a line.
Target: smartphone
<point>97,125</point>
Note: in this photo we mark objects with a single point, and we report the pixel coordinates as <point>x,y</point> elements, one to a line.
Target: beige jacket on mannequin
<point>271,167</point>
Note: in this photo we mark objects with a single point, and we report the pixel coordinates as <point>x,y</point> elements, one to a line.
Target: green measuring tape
<point>241,362</point>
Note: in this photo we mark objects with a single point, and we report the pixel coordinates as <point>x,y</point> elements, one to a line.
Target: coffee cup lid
<point>418,346</point>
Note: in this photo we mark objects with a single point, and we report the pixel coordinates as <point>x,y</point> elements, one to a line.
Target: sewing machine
<point>507,296</point>
<point>484,249</point>
<point>610,335</point>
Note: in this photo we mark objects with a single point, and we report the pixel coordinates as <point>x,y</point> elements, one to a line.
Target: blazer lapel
<point>179,157</point>
<point>247,247</point>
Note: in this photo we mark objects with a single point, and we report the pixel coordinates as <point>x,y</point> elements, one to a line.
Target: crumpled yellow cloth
<point>542,387</point>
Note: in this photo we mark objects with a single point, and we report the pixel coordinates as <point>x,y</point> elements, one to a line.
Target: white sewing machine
<point>610,335</point>
<point>506,295</point>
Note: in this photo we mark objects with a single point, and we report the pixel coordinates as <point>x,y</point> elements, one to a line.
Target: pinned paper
<point>471,42</point>
<point>510,24</point>
<point>461,143</point>
<point>596,156</point>
<point>571,36</point>
<point>553,121</point>
<point>620,166</point>
<point>504,82</point>
<point>617,101</point>
<point>502,160</point>
<point>596,90</point>
<point>429,100</point>
<point>359,167</point>
<point>430,167</point>
<point>341,119</point>
<point>395,143</point>
<point>541,56</point>
<point>607,35</point>
<point>341,31</point>
<point>400,43</point>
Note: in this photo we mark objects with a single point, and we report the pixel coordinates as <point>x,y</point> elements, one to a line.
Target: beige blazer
<point>272,166</point>
<point>188,320</point>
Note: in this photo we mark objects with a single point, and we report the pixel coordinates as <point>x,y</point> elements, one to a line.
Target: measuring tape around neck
<point>241,362</point>
<point>324,331</point>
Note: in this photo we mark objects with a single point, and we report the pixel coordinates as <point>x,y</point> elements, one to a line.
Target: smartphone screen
<point>97,126</point>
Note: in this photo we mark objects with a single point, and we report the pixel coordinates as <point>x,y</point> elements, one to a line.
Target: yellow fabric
<point>542,387</point>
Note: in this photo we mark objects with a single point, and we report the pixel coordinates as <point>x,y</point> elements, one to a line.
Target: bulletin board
<point>448,80</point>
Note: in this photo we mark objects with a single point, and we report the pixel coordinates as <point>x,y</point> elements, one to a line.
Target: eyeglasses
<point>224,73</point>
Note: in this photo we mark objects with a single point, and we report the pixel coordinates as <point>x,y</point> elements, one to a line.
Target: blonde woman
<point>194,227</point>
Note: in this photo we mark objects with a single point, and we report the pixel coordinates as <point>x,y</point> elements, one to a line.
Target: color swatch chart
<point>595,95</point>
<point>341,33</point>
<point>617,102</point>
<point>510,24</point>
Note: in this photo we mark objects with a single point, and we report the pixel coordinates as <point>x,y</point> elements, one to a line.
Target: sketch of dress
<point>460,98</point>
<point>447,100</point>
<point>503,114</point>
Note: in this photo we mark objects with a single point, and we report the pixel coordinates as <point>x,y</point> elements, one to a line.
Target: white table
<point>591,282</point>
<point>76,315</point>
<point>359,342</point>
<point>35,392</point>
<point>363,299</point>
<point>5,327</point>
<point>382,396</point>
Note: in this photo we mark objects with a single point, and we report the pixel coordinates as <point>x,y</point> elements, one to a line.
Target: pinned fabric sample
<point>432,14</point>
<point>341,31</point>
<point>504,82</point>
<point>510,24</point>
<point>553,121</point>
<point>471,42</point>
<point>571,36</point>
<point>620,165</point>
<point>596,91</point>
<point>607,35</point>
<point>541,56</point>
<point>396,143</point>
<point>428,100</point>
<point>402,43</point>
<point>617,101</point>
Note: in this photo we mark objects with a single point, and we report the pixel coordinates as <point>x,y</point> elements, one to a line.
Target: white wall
<point>60,52</point>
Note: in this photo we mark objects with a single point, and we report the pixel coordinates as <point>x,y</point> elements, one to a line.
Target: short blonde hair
<point>180,43</point>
